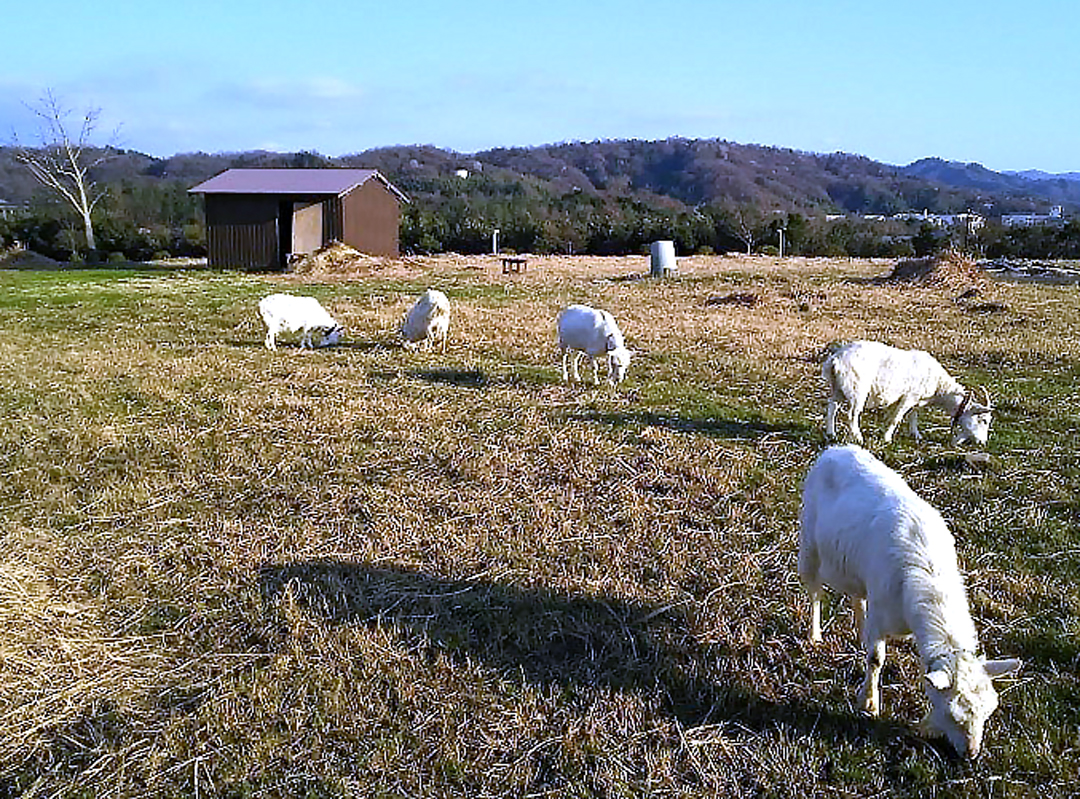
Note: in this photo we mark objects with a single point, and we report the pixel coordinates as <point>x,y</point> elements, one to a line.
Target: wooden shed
<point>257,218</point>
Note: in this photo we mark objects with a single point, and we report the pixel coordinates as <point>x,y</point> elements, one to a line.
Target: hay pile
<point>336,258</point>
<point>22,258</point>
<point>949,270</point>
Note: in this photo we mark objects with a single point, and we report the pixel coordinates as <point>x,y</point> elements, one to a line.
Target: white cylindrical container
<point>663,259</point>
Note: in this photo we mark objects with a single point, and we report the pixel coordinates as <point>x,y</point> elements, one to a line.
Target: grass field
<point>367,571</point>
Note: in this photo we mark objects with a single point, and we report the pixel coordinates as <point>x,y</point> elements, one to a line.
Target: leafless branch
<point>61,163</point>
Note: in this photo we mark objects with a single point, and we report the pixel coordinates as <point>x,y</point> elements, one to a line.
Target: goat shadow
<point>463,378</point>
<point>543,637</point>
<point>366,345</point>
<point>716,427</point>
<point>291,344</point>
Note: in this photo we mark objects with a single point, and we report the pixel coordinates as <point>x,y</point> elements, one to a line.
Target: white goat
<point>286,313</point>
<point>427,321</point>
<point>594,333</point>
<point>869,374</point>
<point>866,534</point>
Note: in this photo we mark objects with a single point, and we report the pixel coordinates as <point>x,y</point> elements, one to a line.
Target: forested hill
<point>697,172</point>
<point>604,197</point>
<point>692,172</point>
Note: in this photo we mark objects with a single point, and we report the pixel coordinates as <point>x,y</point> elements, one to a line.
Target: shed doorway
<point>307,227</point>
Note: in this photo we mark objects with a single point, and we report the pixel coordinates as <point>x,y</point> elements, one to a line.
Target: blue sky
<point>993,82</point>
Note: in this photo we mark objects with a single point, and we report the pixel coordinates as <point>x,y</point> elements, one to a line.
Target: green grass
<point>376,572</point>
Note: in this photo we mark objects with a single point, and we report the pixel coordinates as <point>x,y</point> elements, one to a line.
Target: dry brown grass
<point>949,269</point>
<point>367,571</point>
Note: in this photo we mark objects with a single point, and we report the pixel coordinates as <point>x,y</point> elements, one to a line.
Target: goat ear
<point>1002,667</point>
<point>939,678</point>
<point>611,342</point>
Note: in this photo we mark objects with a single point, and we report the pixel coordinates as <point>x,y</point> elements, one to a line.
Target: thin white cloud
<point>282,93</point>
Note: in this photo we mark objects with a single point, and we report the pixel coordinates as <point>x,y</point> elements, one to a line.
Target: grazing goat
<point>869,374</point>
<point>594,333</point>
<point>427,321</point>
<point>286,313</point>
<point>865,533</point>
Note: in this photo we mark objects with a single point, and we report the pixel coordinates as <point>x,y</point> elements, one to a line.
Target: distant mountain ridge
<point>687,172</point>
<point>1038,174</point>
<point>1060,187</point>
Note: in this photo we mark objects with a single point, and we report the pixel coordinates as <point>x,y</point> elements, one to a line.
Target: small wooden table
<point>513,265</point>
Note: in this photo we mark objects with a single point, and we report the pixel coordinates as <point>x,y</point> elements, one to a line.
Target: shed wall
<point>242,231</point>
<point>371,217</point>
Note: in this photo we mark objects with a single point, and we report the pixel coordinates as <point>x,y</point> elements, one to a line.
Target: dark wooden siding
<point>333,228</point>
<point>242,231</point>
<point>371,217</point>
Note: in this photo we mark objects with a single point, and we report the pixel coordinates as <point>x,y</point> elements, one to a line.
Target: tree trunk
<point>91,243</point>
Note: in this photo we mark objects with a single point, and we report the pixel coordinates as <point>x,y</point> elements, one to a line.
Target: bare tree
<point>62,161</point>
<point>743,222</point>
<point>745,232</point>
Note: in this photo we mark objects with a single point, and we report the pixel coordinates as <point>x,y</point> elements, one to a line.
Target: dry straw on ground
<point>369,571</point>
<point>948,269</point>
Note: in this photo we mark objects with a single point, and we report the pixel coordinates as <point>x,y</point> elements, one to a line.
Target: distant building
<point>911,216</point>
<point>1055,217</point>
<point>258,218</point>
<point>968,220</point>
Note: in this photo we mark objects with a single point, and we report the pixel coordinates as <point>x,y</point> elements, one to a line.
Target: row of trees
<point>140,222</point>
<point>446,217</point>
<point>604,199</point>
<point>129,222</point>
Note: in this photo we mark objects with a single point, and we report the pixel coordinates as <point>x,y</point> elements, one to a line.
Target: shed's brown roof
<point>291,181</point>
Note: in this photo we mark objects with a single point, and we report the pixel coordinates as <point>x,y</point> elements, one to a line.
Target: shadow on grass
<point>367,345</point>
<point>1052,648</point>
<point>294,345</point>
<point>467,378</point>
<point>542,637</point>
<point>42,263</point>
<point>746,430</point>
<point>463,378</point>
